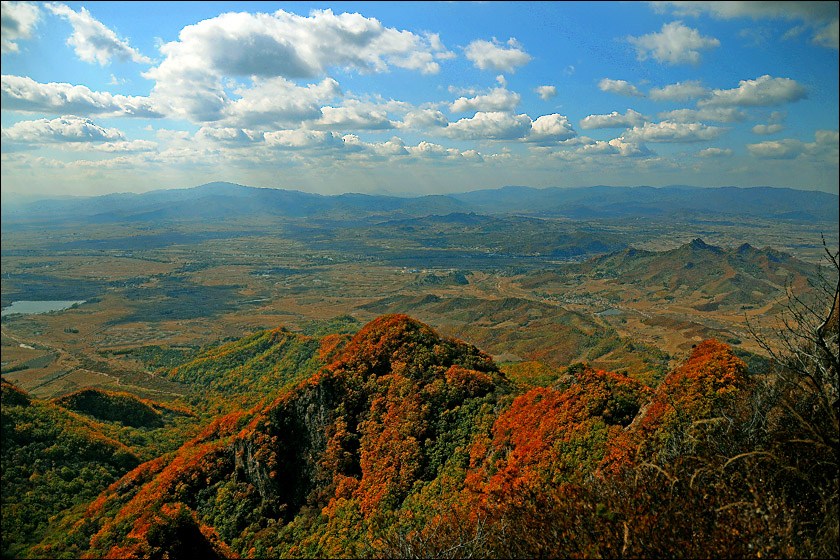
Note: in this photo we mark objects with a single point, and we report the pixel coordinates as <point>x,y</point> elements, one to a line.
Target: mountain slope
<point>392,409</point>
<point>743,275</point>
<point>51,461</point>
<point>410,444</point>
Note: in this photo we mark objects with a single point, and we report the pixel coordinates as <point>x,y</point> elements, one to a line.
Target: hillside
<point>411,444</point>
<point>738,276</point>
<point>51,461</point>
<point>524,329</point>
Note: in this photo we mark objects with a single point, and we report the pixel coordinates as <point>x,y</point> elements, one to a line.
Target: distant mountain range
<point>230,201</point>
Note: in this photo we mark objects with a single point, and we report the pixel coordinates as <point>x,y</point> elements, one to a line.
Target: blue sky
<point>416,97</point>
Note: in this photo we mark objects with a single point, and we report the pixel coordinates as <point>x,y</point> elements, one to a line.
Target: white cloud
<point>762,91</point>
<point>828,36</point>
<point>430,150</point>
<point>615,119</point>
<point>282,44</point>
<point>551,128</point>
<point>824,147</point>
<point>494,55</point>
<point>715,114</point>
<point>680,91</point>
<point>776,149</point>
<point>715,152</point>
<point>616,146</point>
<point>621,87</point>
<point>767,128</point>
<point>20,93</point>
<point>127,146</point>
<point>494,125</point>
<point>229,136</point>
<point>497,99</point>
<point>546,92</point>
<point>18,21</point>
<point>304,139</point>
<point>93,41</point>
<point>675,44</point>
<point>278,101</point>
<point>353,116</point>
<point>423,118</point>
<point>393,147</point>
<point>68,128</point>
<point>821,17</point>
<point>673,132</point>
<point>629,149</point>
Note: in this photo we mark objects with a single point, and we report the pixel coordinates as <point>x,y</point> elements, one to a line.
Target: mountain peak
<point>700,245</point>
<point>412,347</point>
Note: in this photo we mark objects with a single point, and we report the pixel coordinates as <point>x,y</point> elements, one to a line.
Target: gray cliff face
<point>281,458</point>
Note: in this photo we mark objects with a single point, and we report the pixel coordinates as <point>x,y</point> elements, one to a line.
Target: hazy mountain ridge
<point>217,200</point>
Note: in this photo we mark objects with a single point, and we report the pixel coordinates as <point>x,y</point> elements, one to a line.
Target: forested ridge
<point>399,442</point>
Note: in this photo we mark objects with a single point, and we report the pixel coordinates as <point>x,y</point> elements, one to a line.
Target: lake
<point>34,307</point>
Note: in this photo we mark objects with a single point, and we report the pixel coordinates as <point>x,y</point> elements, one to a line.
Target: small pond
<point>34,307</point>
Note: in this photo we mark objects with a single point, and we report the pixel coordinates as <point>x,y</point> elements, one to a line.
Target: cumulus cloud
<point>776,149</point>
<point>821,17</point>
<point>18,21</point>
<point>497,99</point>
<point>487,55</point>
<point>68,128</point>
<point>229,136</point>
<point>353,116</point>
<point>615,119</point>
<point>621,87</point>
<point>278,101</point>
<point>423,118</point>
<point>715,152</point>
<point>430,150</point>
<point>675,44</point>
<point>93,41</point>
<point>767,128</point>
<point>824,147</point>
<point>551,128</point>
<point>616,146</point>
<point>393,147</point>
<point>20,93</point>
<point>673,132</point>
<point>303,139</point>
<point>494,125</point>
<point>715,114</point>
<point>762,91</point>
<point>282,44</point>
<point>546,92</point>
<point>680,91</point>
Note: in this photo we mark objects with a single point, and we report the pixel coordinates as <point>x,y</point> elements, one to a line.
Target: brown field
<point>196,294</point>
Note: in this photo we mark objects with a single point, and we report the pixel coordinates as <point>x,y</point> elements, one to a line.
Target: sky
<point>413,98</point>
